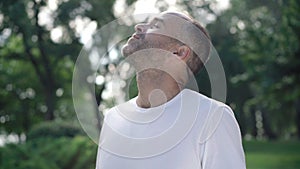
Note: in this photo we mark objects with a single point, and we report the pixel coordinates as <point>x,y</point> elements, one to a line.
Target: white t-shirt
<point>191,131</point>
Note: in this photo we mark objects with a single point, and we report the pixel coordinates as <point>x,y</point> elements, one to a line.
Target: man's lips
<point>136,36</point>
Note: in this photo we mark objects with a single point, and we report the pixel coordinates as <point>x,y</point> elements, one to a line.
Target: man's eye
<point>155,26</point>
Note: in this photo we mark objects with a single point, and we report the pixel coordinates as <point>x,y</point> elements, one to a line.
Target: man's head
<point>174,32</point>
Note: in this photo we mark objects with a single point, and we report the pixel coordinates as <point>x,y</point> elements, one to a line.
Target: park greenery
<point>257,41</point>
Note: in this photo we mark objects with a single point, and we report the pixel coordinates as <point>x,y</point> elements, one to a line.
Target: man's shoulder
<point>203,98</point>
<point>212,112</point>
<point>220,105</point>
<point>115,110</point>
<point>213,102</point>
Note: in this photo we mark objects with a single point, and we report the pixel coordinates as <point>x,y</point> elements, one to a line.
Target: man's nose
<point>140,28</point>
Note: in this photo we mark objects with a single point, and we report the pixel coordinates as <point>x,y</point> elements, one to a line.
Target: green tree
<point>267,37</point>
<point>36,68</point>
<point>46,153</point>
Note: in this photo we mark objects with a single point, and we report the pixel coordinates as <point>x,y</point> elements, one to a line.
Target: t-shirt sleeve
<point>223,149</point>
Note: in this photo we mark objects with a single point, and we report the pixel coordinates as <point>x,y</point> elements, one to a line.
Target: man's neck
<point>155,88</point>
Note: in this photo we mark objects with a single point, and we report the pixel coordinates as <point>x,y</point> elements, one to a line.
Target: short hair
<point>196,62</point>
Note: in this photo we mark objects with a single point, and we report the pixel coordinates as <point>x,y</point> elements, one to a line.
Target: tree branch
<point>45,60</point>
<point>33,60</point>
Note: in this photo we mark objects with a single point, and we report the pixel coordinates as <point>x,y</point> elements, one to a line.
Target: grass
<point>272,155</point>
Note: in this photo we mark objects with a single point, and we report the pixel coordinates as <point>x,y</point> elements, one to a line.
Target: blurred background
<point>258,42</point>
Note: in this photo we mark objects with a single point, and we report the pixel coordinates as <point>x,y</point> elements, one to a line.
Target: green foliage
<point>21,105</point>
<point>54,130</point>
<point>258,42</point>
<point>133,91</point>
<point>130,2</point>
<point>269,48</point>
<point>48,153</point>
<point>37,69</point>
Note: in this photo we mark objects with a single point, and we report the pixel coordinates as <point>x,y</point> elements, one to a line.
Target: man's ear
<point>183,52</point>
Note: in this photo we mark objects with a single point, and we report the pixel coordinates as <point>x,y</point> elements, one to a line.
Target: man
<point>168,126</point>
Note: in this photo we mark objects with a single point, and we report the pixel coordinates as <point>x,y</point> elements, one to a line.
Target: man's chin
<point>125,51</point>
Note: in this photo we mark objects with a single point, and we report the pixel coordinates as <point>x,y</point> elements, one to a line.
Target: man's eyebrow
<point>158,19</point>
<point>149,19</point>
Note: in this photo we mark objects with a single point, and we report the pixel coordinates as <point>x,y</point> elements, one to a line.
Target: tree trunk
<point>26,116</point>
<point>50,103</point>
<point>50,99</point>
<point>252,123</point>
<point>267,127</point>
<point>298,117</point>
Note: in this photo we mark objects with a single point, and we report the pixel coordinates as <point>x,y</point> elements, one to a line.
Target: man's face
<point>150,35</point>
<point>155,45</point>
